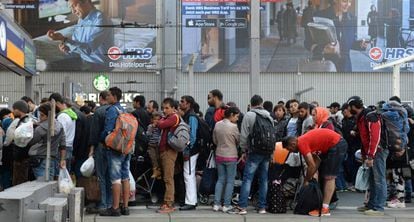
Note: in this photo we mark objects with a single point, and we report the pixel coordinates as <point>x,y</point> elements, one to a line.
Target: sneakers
<point>362,208</point>
<point>216,208</point>
<point>396,204</point>
<point>226,209</point>
<point>165,209</point>
<point>156,173</point>
<point>237,210</point>
<point>374,213</point>
<point>261,211</point>
<point>125,211</point>
<point>324,212</point>
<point>111,212</point>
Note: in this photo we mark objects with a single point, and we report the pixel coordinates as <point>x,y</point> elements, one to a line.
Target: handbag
<point>362,178</point>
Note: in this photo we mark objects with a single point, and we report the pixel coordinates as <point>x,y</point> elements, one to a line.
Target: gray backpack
<point>180,138</point>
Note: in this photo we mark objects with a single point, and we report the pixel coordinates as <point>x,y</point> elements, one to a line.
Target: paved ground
<point>346,211</point>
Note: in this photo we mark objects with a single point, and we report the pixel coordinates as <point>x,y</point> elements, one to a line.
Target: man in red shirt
<point>323,150</point>
<point>167,154</point>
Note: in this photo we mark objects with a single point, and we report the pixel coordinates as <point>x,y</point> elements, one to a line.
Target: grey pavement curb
<point>144,215</point>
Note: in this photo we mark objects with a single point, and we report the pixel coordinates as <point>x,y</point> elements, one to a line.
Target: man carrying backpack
<point>373,154</point>
<point>118,162</point>
<point>324,151</point>
<point>398,169</point>
<point>190,154</point>
<point>257,142</point>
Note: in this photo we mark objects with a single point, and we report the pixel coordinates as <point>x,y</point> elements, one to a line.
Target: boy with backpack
<point>257,142</point>
<point>168,155</point>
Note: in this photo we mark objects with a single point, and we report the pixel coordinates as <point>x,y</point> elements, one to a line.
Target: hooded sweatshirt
<point>247,126</point>
<point>68,119</point>
<point>39,142</point>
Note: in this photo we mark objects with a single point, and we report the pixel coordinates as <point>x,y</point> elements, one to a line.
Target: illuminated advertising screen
<point>90,35</point>
<point>16,47</point>
<point>325,36</point>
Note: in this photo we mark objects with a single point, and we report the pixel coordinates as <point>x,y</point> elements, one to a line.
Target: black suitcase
<point>276,201</point>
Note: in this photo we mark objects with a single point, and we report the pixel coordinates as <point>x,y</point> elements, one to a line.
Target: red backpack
<point>122,138</point>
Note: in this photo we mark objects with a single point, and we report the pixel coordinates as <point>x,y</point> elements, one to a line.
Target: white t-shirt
<point>69,126</point>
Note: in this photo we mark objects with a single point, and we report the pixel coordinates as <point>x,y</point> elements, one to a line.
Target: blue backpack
<point>395,126</point>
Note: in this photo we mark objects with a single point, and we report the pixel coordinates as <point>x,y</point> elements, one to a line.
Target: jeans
<point>408,189</point>
<point>351,168</point>
<point>378,182</point>
<point>39,172</point>
<point>226,175</point>
<point>68,156</point>
<point>102,171</point>
<point>119,163</point>
<point>5,177</point>
<point>255,162</point>
<point>340,179</point>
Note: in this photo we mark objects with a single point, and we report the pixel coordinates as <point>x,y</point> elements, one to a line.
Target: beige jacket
<point>227,137</point>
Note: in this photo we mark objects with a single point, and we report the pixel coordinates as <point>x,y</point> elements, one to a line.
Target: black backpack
<point>337,127</point>
<point>309,198</point>
<point>204,139</point>
<point>263,136</point>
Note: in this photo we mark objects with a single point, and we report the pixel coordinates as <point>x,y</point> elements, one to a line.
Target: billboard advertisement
<point>326,36</point>
<point>89,35</point>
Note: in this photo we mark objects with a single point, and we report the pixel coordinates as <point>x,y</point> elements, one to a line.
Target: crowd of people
<point>334,142</point>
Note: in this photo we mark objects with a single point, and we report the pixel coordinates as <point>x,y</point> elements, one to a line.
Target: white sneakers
<point>225,209</point>
<point>216,208</point>
<point>395,204</point>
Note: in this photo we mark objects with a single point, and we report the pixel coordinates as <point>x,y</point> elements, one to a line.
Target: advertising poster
<point>325,36</point>
<point>89,35</point>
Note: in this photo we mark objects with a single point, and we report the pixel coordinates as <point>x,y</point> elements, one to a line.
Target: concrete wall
<point>328,87</point>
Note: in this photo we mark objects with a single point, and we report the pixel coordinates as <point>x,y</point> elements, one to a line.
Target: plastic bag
<point>88,167</point>
<point>23,134</point>
<point>362,178</point>
<point>132,189</point>
<point>65,182</point>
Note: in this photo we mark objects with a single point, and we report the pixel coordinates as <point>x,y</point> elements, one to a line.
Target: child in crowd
<point>154,134</point>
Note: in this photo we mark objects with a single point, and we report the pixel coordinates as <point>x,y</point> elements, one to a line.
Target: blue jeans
<point>69,151</point>
<point>226,175</point>
<point>102,171</point>
<point>340,179</point>
<point>119,166</point>
<point>5,177</point>
<point>255,162</point>
<point>408,189</point>
<point>378,182</point>
<point>39,171</point>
